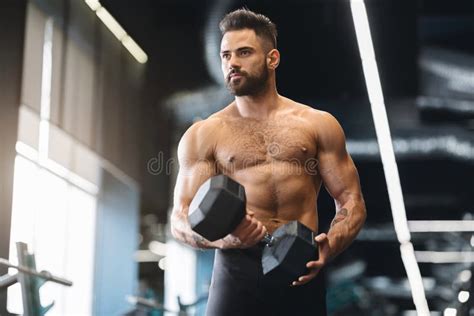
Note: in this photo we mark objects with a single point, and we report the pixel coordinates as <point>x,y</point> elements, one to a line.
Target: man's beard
<point>248,84</point>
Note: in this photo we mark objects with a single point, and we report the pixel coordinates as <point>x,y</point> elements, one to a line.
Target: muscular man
<point>282,152</point>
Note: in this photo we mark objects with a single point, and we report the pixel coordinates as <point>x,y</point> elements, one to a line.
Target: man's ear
<point>273,59</point>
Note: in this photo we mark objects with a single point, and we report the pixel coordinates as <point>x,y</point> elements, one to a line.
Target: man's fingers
<point>263,233</point>
<point>245,227</point>
<point>297,283</point>
<point>314,264</point>
<point>249,231</point>
<point>255,235</point>
<point>242,225</point>
<point>257,230</point>
<point>321,238</point>
<point>305,278</point>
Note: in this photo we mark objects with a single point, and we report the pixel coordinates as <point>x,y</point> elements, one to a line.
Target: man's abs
<point>278,195</point>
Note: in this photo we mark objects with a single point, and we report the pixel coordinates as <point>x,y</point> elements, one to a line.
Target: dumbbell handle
<point>268,240</point>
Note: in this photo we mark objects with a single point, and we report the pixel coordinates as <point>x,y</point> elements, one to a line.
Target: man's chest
<point>245,144</point>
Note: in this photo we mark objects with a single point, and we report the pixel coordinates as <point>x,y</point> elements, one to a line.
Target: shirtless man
<point>281,152</point>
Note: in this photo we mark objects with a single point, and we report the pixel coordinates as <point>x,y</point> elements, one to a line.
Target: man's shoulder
<point>208,125</point>
<point>199,140</point>
<point>204,126</point>
<point>310,114</point>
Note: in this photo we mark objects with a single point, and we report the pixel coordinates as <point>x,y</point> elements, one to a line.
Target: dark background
<point>425,55</point>
<point>321,67</point>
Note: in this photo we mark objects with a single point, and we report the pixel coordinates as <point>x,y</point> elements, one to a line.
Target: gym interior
<point>95,96</point>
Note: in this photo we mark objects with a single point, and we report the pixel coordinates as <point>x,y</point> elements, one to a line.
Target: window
<point>57,221</point>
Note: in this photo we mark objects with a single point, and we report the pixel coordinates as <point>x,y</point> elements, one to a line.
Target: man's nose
<point>234,62</point>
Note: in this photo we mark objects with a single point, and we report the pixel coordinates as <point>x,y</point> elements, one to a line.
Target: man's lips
<point>235,75</point>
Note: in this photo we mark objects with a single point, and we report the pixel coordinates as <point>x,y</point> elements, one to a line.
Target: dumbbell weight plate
<point>217,208</point>
<point>285,260</point>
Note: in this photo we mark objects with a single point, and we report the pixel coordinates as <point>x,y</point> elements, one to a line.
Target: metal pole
<point>45,275</point>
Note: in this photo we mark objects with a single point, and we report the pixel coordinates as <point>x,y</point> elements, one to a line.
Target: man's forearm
<point>345,226</point>
<point>182,231</point>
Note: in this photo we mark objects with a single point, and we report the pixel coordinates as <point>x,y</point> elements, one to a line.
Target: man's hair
<point>245,19</point>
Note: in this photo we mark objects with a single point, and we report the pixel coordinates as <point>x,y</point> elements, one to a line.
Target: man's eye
<point>245,53</point>
<point>225,56</point>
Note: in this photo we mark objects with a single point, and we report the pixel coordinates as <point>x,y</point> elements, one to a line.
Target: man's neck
<point>260,107</point>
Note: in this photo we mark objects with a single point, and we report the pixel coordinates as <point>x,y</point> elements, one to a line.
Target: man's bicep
<point>196,165</point>
<point>340,177</point>
<point>337,170</point>
<point>188,181</point>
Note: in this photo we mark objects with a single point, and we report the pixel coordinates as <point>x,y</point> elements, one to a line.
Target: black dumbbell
<point>218,208</point>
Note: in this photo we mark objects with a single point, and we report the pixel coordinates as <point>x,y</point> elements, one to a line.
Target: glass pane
<point>57,221</point>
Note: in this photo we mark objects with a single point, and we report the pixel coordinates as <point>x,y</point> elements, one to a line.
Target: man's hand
<point>249,232</point>
<point>315,266</point>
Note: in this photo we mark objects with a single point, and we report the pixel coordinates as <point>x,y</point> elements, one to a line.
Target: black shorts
<point>239,288</point>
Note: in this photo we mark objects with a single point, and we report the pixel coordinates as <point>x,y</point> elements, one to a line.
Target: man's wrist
<point>218,244</point>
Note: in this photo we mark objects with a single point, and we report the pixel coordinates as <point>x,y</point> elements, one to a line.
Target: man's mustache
<point>236,72</point>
